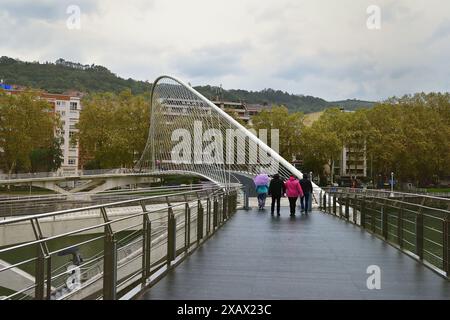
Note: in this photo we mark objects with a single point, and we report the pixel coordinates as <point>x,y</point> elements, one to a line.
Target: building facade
<point>68,108</point>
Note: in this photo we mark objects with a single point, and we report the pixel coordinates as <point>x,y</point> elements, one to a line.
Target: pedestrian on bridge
<point>262,187</point>
<point>307,188</point>
<point>293,191</point>
<point>276,190</point>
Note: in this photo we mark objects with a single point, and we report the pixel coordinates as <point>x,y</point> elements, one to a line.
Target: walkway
<point>256,256</point>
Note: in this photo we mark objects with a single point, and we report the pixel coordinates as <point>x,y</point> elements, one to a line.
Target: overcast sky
<point>315,47</point>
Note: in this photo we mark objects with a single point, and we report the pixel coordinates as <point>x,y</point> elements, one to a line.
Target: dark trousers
<point>292,202</point>
<point>304,201</point>
<point>262,200</point>
<point>277,199</point>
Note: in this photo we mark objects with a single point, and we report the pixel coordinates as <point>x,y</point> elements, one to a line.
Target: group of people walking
<point>277,188</point>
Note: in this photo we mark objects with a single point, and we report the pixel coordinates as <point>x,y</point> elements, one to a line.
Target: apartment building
<point>68,107</point>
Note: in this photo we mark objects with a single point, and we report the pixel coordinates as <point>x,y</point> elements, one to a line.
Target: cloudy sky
<point>313,47</point>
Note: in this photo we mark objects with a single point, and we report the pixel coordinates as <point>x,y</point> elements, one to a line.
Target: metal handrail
<point>368,191</point>
<point>426,222</point>
<point>94,207</point>
<point>133,240</point>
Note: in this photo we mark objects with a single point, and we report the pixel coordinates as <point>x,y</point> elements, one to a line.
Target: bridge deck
<point>256,256</point>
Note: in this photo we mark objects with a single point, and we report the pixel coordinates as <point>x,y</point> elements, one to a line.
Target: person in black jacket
<point>276,190</point>
<point>307,191</point>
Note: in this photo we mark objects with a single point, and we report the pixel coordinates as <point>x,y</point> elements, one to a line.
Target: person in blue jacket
<point>262,190</point>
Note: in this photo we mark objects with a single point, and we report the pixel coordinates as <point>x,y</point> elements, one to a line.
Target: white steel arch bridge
<point>190,134</point>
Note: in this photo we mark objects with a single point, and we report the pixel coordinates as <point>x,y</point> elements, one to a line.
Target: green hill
<point>64,75</point>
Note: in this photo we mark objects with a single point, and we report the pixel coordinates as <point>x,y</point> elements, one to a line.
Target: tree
<point>47,159</point>
<point>26,123</point>
<point>411,137</point>
<point>290,126</point>
<point>113,128</point>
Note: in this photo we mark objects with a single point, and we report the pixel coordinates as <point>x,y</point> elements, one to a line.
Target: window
<point>63,113</point>
<point>73,106</point>
<point>72,161</point>
<point>71,134</point>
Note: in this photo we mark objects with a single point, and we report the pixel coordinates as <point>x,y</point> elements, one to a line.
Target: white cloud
<point>319,47</point>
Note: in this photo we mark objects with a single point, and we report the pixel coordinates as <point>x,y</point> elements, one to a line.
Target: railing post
<point>224,208</point>
<point>208,215</point>
<point>373,219</point>
<point>146,245</point>
<point>40,274</point>
<point>246,192</point>
<point>400,227</point>
<point>419,235</point>
<point>347,208</point>
<point>446,245</point>
<point>340,207</point>
<point>199,221</point>
<point>171,236</point>
<point>363,212</point>
<point>320,200</point>
<point>384,221</point>
<point>187,226</point>
<point>334,204</point>
<point>40,270</point>
<point>215,213</point>
<point>146,248</point>
<point>329,202</point>
<point>110,267</point>
<point>324,208</point>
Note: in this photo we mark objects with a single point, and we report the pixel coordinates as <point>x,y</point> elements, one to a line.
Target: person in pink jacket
<point>293,191</point>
